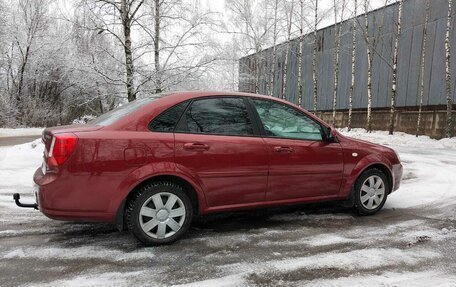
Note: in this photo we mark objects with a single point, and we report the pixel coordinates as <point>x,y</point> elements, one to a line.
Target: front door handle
<point>196,146</point>
<point>283,149</point>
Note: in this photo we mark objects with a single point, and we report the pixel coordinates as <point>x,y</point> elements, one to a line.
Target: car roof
<point>168,99</point>
<point>198,94</point>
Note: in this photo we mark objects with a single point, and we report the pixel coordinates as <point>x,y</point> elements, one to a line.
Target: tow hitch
<point>17,196</point>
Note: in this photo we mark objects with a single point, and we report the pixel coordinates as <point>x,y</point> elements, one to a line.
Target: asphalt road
<point>315,245</point>
<point>8,141</point>
<point>36,250</point>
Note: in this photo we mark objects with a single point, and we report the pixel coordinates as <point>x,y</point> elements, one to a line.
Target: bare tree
<point>180,31</point>
<point>369,66</point>
<point>107,15</point>
<point>449,125</point>
<point>336,55</point>
<point>394,81</point>
<point>289,13</point>
<point>371,49</point>
<point>274,49</point>
<point>314,58</point>
<point>353,64</point>
<point>128,11</point>
<point>300,49</point>
<point>158,82</point>
<point>254,27</point>
<point>422,67</point>
<point>32,15</point>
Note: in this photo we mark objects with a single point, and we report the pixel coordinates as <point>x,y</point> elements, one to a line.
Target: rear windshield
<point>120,112</point>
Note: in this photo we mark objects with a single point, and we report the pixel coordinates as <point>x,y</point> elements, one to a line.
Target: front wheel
<point>371,191</point>
<point>161,213</point>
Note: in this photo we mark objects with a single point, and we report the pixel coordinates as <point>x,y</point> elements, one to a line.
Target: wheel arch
<point>383,168</point>
<point>189,189</point>
<point>367,162</point>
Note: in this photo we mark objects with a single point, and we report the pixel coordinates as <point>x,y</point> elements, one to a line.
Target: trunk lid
<point>48,133</point>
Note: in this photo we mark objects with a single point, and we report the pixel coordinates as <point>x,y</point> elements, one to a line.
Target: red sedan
<point>153,164</point>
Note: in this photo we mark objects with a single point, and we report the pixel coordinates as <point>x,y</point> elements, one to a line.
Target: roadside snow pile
<point>429,167</point>
<point>83,120</point>
<point>20,132</point>
<point>18,163</point>
<point>399,139</point>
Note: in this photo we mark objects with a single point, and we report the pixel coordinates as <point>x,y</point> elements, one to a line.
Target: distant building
<point>408,77</point>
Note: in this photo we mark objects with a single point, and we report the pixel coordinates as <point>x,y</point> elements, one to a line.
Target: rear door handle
<point>196,146</point>
<point>283,149</point>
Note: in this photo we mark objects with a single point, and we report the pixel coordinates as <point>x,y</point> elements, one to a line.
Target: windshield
<point>120,112</point>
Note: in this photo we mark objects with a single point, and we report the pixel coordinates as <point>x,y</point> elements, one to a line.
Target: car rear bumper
<point>397,176</point>
<point>50,199</point>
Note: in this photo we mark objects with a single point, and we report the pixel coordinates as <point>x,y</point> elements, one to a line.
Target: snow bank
<point>18,163</point>
<point>429,167</point>
<point>399,139</point>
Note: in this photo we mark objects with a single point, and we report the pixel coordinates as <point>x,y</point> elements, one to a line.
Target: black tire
<point>358,206</point>
<point>144,196</point>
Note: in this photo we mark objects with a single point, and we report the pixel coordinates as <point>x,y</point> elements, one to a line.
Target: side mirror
<point>329,135</point>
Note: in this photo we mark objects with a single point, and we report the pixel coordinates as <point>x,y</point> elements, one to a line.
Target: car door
<point>216,141</point>
<point>301,163</point>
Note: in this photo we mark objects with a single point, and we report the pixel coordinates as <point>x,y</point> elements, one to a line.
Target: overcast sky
<point>324,5</point>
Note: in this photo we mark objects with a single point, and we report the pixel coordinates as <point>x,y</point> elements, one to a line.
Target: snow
<point>404,279</point>
<point>429,167</point>
<point>17,165</point>
<point>83,252</point>
<point>400,139</point>
<point>409,243</point>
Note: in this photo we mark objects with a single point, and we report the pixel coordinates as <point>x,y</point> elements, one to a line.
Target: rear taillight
<point>62,146</point>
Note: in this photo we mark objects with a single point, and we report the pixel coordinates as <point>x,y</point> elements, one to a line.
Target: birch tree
<point>369,66</point>
<point>422,68</point>
<point>371,50</point>
<point>449,123</point>
<point>353,65</point>
<point>300,49</point>
<point>336,55</point>
<point>253,26</point>
<point>394,80</point>
<point>179,32</point>
<point>289,17</point>
<point>274,49</point>
<point>107,16</point>
<point>156,39</point>
<point>314,58</point>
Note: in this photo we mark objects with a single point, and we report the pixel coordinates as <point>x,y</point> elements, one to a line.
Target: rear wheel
<point>160,213</point>
<point>371,191</point>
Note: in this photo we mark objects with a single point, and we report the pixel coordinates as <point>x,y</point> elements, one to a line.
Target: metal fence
<point>408,70</point>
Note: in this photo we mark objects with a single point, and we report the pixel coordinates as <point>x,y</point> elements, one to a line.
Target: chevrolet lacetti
<point>152,165</point>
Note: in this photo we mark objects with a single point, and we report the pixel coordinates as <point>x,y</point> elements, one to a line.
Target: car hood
<point>357,143</point>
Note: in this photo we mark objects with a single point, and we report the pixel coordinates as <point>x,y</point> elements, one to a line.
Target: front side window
<point>280,120</point>
<point>220,116</point>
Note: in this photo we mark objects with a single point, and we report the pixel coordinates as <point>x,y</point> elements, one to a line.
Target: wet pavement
<point>315,245</point>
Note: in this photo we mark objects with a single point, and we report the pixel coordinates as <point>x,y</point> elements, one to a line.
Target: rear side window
<point>167,120</point>
<point>220,116</point>
<point>120,112</point>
